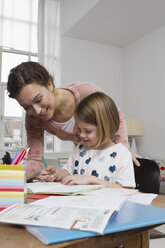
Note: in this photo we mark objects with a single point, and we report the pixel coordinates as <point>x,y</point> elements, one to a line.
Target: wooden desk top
<point>12,236</point>
<point>159,201</point>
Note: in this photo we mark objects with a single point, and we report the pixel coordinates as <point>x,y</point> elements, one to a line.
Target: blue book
<point>132,215</point>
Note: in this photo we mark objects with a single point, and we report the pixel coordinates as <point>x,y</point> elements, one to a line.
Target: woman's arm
<point>35,139</point>
<point>121,135</point>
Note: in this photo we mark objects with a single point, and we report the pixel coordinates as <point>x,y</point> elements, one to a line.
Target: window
<point>18,43</point>
<point>12,114</point>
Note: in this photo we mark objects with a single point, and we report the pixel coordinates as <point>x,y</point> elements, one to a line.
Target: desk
<point>12,236</point>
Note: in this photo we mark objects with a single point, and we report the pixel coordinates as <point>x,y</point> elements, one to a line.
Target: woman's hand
<point>79,179</point>
<point>134,158</point>
<point>77,137</point>
<point>48,174</point>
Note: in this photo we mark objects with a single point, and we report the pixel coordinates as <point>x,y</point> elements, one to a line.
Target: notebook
<point>60,189</point>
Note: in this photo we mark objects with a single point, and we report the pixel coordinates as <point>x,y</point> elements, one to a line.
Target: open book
<point>59,189</point>
<point>87,213</point>
<point>131,216</point>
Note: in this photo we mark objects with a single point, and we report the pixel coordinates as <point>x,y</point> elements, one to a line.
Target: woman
<point>49,108</point>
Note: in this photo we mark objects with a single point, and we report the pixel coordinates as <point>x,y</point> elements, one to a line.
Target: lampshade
<point>135,127</point>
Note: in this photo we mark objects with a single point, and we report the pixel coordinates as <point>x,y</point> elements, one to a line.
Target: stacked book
<point>12,185</point>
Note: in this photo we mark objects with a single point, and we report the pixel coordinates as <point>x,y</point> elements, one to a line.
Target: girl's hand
<point>45,174</point>
<point>79,179</point>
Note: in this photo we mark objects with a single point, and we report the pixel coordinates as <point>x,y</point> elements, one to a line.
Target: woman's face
<point>38,100</point>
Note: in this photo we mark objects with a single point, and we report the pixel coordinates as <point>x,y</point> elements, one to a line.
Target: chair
<point>147,176</point>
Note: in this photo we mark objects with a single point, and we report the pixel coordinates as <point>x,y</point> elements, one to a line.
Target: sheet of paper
<point>113,192</point>
<point>143,198</point>
<point>130,194</point>
<point>92,201</point>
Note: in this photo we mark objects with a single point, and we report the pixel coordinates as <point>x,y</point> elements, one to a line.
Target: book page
<point>94,202</point>
<point>61,217</point>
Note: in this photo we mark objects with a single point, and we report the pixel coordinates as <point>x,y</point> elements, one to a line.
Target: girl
<point>96,159</point>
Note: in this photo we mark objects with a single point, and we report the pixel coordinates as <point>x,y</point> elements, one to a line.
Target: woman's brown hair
<point>26,73</point>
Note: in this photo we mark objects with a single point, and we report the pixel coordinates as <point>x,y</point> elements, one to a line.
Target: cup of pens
<point>20,156</point>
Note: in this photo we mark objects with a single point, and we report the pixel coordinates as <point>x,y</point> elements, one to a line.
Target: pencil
<point>45,164</point>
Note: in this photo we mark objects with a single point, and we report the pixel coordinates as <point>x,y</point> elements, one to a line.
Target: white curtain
<point>49,44</point>
<point>18,24</point>
<point>48,35</point>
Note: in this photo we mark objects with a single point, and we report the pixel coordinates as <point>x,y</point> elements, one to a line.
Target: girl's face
<point>38,100</point>
<point>87,133</point>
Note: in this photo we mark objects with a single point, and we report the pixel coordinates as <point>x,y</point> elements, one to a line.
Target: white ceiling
<point>119,22</point>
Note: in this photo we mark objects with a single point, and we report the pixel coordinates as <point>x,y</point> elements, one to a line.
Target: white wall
<point>134,77</point>
<point>92,62</point>
<point>144,90</point>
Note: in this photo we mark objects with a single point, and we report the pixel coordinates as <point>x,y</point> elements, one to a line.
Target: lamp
<point>135,129</point>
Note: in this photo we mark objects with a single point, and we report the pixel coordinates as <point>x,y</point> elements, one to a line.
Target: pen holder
<point>13,187</point>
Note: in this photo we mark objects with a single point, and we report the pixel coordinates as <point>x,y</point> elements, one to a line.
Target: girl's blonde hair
<point>100,110</point>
